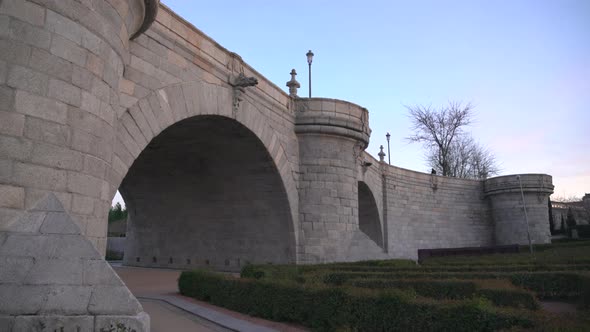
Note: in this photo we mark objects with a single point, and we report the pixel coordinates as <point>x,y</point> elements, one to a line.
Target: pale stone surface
<point>54,323</point>
<point>52,274</point>
<point>141,322</point>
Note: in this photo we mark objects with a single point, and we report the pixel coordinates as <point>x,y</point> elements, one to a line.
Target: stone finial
<point>381,154</point>
<point>293,84</point>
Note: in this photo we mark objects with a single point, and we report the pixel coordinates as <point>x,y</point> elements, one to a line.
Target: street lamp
<point>309,61</point>
<point>388,153</point>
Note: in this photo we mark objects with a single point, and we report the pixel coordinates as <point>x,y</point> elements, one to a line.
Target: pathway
<point>157,291</point>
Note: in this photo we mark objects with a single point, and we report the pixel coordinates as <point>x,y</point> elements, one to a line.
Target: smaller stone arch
<point>369,220</point>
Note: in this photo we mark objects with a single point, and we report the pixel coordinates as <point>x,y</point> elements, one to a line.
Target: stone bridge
<point>218,166</point>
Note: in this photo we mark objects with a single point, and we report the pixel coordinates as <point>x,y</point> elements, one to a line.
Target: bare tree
<point>451,151</point>
<point>565,199</point>
<point>466,159</point>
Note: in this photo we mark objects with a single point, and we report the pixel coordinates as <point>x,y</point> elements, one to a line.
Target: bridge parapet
<point>334,117</point>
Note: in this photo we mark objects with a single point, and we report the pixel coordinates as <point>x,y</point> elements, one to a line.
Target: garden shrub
<point>436,289</point>
<point>336,308</point>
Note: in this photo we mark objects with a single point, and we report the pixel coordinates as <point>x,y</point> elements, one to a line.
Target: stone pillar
<point>505,197</point>
<point>332,134</point>
<point>60,66</point>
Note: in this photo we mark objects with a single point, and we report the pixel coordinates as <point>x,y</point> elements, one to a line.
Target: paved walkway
<point>156,289</point>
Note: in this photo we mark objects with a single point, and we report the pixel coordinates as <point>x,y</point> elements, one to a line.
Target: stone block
<point>90,103</point>
<point>7,323</point>
<point>15,148</point>
<point>47,131</point>
<point>4,24</point>
<point>27,79</point>
<point>22,299</point>
<point>64,92</point>
<point>14,52</point>
<point>111,77</point>
<point>68,50</point>
<point>101,90</point>
<point>67,300</point>
<point>82,204</point>
<point>27,222</point>
<point>96,226</point>
<point>23,10</point>
<point>147,111</point>
<point>84,184</point>
<point>5,170</point>
<point>29,34</point>
<point>99,272</point>
<point>56,156</point>
<point>14,269</point>
<point>56,271</point>
<point>94,166</point>
<point>70,247</point>
<point>12,123</point>
<point>45,62</point>
<point>82,78</point>
<point>47,201</point>
<point>54,323</point>
<point>3,72</point>
<point>86,121</point>
<point>95,65</point>
<point>6,99</point>
<point>64,27</point>
<point>139,323</point>
<point>39,177</point>
<point>12,197</point>
<point>113,300</point>
<point>22,245</point>
<point>59,223</point>
<point>91,42</point>
<point>41,107</point>
<point>141,122</point>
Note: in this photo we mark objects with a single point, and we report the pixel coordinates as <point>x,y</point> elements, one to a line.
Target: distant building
<point>580,209</point>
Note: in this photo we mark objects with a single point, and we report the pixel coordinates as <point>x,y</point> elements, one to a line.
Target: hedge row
<point>544,284</point>
<point>455,289</point>
<point>329,308</point>
<point>466,268</point>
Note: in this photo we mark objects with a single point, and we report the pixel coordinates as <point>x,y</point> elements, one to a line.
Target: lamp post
<point>309,60</point>
<point>526,217</point>
<point>388,153</point>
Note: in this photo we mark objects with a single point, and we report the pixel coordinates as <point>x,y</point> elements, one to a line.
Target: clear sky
<point>524,64</point>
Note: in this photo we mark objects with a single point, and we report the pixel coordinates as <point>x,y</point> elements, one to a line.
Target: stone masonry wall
<point>428,211</point>
<point>177,72</point>
<point>60,66</point>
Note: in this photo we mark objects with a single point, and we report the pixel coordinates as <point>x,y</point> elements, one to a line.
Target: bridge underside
<point>205,192</point>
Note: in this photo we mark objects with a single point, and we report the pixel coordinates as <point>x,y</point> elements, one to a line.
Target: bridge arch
<point>214,135</point>
<point>369,219</point>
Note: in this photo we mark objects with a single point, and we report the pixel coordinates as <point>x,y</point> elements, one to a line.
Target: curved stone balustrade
<point>332,116</point>
<point>509,183</point>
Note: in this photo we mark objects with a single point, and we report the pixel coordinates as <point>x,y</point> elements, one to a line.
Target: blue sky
<point>524,64</point>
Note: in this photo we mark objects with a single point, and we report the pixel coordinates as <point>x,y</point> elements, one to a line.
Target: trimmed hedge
<point>560,285</point>
<point>329,309</point>
<point>455,289</point>
<point>466,268</point>
<point>436,289</point>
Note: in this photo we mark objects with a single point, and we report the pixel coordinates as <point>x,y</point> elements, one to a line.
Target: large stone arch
<point>171,105</point>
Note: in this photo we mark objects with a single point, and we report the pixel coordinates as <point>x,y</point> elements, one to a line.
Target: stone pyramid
<point>52,277</point>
